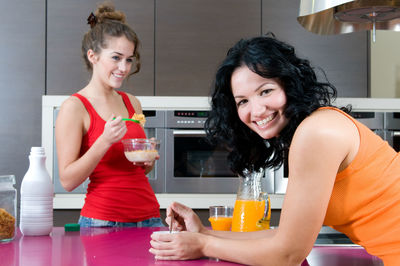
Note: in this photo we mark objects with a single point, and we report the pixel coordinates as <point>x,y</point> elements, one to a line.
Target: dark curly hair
<point>269,58</point>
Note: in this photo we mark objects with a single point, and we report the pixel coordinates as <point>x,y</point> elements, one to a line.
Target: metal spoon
<point>172,220</point>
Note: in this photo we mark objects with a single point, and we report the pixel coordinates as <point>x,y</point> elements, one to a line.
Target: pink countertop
<point>129,246</point>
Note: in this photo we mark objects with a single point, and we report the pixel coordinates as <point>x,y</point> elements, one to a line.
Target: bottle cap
<point>71,227</point>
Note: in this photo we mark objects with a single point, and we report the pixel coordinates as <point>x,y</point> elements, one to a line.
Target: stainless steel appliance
<point>154,127</point>
<point>373,120</point>
<point>392,129</point>
<point>345,16</point>
<point>192,164</point>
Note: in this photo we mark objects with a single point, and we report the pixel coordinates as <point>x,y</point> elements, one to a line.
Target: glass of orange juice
<point>221,217</point>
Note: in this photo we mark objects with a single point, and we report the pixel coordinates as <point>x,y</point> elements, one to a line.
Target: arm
<point>319,149</point>
<point>73,168</point>
<point>185,219</point>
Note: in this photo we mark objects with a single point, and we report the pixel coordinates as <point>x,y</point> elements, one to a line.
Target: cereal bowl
<point>141,150</point>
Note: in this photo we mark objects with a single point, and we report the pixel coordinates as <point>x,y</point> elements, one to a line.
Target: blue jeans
<point>91,222</point>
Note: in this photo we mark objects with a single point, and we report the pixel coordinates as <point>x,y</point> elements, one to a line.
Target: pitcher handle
<point>267,209</point>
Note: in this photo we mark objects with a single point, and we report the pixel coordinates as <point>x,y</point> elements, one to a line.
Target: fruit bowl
<point>141,150</point>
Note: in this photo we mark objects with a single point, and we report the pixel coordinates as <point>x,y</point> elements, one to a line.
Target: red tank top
<point>118,191</point>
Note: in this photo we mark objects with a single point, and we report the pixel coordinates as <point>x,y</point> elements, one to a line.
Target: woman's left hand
<point>178,246</point>
<point>147,166</point>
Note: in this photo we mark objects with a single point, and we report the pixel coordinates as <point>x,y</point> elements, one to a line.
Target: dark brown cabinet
<point>192,38</point>
<point>66,25</point>
<point>22,82</point>
<point>344,58</point>
<point>184,41</point>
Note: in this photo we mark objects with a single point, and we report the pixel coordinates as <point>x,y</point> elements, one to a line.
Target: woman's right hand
<point>114,130</point>
<point>184,218</point>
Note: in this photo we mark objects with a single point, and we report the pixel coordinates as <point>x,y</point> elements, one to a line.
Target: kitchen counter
<point>129,246</point>
<point>193,200</point>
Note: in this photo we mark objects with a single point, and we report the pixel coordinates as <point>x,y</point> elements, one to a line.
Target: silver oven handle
<point>189,133</point>
<point>396,133</point>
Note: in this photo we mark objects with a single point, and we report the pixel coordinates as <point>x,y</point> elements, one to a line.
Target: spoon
<point>172,220</point>
<point>128,119</point>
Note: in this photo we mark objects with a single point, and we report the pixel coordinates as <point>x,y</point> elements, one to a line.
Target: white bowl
<point>165,232</point>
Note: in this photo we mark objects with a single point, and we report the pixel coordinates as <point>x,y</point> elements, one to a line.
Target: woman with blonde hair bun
<point>89,130</point>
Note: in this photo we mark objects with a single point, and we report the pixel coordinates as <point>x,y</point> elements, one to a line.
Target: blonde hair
<point>106,22</point>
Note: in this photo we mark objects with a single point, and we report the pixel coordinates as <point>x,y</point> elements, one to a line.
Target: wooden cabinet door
<point>344,57</point>
<point>193,37</point>
<point>22,66</point>
<point>66,25</point>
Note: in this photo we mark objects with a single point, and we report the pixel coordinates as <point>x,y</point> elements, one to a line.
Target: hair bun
<point>106,11</point>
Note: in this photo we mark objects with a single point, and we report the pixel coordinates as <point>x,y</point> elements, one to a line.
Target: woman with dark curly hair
<point>268,106</point>
<point>272,59</point>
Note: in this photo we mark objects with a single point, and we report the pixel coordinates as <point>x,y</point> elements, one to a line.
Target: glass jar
<point>8,208</point>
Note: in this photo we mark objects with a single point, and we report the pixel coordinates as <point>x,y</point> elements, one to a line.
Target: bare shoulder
<point>327,123</point>
<point>72,112</point>
<point>135,103</point>
<point>72,105</point>
<point>327,133</point>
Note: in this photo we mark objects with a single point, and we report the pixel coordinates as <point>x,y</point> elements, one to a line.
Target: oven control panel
<point>186,118</point>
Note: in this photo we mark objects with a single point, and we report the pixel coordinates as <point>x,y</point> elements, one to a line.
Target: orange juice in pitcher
<point>252,211</point>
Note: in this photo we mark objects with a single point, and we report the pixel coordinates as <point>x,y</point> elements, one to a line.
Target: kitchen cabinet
<point>184,41</point>
<point>193,37</point>
<point>22,82</point>
<point>344,57</point>
<point>67,23</point>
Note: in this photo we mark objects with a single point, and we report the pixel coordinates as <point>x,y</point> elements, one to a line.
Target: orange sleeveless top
<point>365,201</point>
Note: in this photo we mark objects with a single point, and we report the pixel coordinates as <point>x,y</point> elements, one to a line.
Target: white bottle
<point>36,210</point>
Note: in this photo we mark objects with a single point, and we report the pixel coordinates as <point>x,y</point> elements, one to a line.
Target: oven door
<point>195,166</point>
<point>155,128</point>
<point>281,179</point>
<point>156,176</point>
<point>392,129</point>
<point>393,138</point>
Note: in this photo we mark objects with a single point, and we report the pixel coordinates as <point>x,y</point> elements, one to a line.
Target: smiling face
<point>112,65</point>
<point>260,102</point>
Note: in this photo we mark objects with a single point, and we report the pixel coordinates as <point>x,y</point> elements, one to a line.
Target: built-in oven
<point>373,120</point>
<point>154,127</point>
<point>392,129</point>
<point>192,164</point>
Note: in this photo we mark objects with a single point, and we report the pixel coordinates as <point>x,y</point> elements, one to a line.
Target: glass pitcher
<point>252,211</point>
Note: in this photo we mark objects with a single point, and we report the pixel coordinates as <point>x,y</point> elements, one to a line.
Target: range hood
<point>327,17</point>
